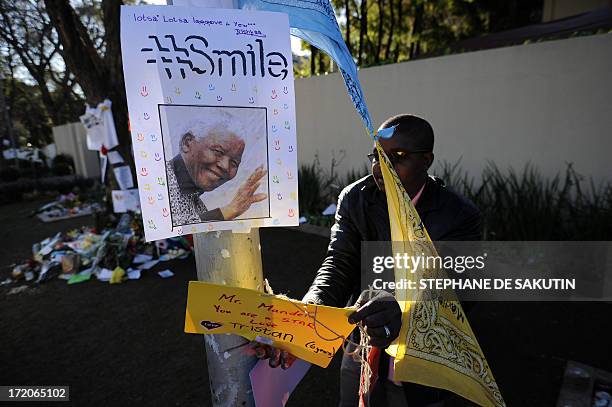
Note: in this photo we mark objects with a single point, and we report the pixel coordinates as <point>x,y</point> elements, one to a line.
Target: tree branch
<point>79,52</point>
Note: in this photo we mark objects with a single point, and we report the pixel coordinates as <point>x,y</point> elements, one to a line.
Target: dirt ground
<point>123,345</point>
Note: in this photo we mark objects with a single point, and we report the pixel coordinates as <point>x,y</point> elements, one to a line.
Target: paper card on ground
<point>273,386</point>
<point>104,274</point>
<point>133,274</point>
<point>212,112</point>
<point>274,320</point>
<point>165,273</point>
<point>148,265</point>
<point>49,244</point>
<point>79,278</point>
<point>127,200</point>
<point>141,258</point>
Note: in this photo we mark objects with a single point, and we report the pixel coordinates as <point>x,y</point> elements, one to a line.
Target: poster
<point>212,112</point>
<point>123,175</point>
<point>114,157</point>
<point>313,333</point>
<point>100,126</point>
<point>124,201</point>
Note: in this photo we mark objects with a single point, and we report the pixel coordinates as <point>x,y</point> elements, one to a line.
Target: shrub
<point>529,206</point>
<point>63,159</point>
<point>354,175</point>
<point>9,174</point>
<point>309,189</point>
<point>62,164</point>
<point>318,188</point>
<point>61,169</point>
<point>515,205</point>
<point>30,169</point>
<point>15,191</point>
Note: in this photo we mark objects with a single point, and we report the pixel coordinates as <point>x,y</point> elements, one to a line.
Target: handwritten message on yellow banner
<point>283,323</point>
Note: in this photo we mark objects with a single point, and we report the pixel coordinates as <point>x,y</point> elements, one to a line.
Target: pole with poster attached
<point>232,259</point>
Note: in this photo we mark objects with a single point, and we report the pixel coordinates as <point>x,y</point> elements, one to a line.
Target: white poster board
<point>100,126</point>
<point>123,175</point>
<point>124,201</point>
<point>212,113</point>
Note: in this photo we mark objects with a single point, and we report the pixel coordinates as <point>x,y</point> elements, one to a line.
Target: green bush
<point>15,191</point>
<point>318,188</point>
<point>62,164</point>
<point>515,205</point>
<point>27,169</point>
<point>61,169</point>
<point>309,189</point>
<point>9,174</point>
<point>354,175</point>
<point>529,206</point>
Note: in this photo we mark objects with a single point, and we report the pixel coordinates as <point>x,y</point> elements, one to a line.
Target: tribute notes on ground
<point>310,332</point>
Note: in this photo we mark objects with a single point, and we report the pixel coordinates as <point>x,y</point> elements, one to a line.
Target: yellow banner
<point>436,346</point>
<point>271,319</point>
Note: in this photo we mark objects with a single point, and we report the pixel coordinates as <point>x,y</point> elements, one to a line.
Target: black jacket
<point>362,215</point>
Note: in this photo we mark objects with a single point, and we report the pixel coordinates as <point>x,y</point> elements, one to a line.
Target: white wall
<point>548,103</point>
<point>557,9</point>
<point>71,139</point>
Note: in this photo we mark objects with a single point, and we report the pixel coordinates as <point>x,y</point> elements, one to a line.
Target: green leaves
<point>529,206</point>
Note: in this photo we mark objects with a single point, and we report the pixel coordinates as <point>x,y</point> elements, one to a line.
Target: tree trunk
<point>7,121</point>
<point>347,35</point>
<point>391,30</point>
<point>100,78</point>
<point>313,60</point>
<point>114,64</point>
<point>416,30</point>
<point>79,52</point>
<point>363,30</point>
<point>379,39</point>
<point>322,68</point>
<point>47,99</point>
<point>400,29</point>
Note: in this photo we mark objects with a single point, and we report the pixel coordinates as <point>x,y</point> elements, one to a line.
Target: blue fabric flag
<point>315,22</point>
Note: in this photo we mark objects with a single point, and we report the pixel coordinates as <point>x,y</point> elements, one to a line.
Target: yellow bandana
<point>436,346</point>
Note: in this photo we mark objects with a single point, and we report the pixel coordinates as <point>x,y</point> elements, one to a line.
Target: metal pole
<point>232,259</point>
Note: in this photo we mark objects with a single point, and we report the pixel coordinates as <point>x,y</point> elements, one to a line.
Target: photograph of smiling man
<point>216,163</point>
